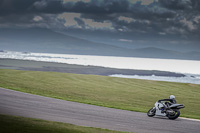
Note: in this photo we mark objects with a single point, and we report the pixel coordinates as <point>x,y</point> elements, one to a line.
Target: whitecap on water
<point>179,66</point>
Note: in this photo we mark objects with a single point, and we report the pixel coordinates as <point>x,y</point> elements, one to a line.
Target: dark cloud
<point>48,6</point>
<point>8,7</point>
<point>99,7</point>
<point>96,6</point>
<point>195,4</point>
<point>184,5</point>
<point>59,6</point>
<point>163,18</point>
<point>176,4</point>
<point>80,22</point>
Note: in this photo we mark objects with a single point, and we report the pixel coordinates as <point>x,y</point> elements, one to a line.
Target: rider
<point>168,102</point>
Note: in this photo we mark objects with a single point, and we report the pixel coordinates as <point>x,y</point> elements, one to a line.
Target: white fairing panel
<point>158,111</point>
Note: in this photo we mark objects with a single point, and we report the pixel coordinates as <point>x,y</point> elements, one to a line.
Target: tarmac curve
<point>34,106</point>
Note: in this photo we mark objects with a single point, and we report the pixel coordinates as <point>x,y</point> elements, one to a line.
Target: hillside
<point>159,53</point>
<point>48,41</point>
<point>44,40</point>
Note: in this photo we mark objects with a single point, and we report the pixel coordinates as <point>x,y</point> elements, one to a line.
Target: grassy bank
<point>128,94</point>
<point>15,124</point>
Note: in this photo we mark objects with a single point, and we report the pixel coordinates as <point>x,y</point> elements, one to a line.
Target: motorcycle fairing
<point>158,110</point>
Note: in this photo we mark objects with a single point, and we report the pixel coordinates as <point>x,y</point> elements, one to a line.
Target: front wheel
<point>151,112</point>
<point>174,115</point>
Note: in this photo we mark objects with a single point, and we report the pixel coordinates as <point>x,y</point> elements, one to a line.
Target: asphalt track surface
<point>28,105</point>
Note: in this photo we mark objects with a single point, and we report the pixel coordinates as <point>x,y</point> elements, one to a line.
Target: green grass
<point>16,124</point>
<point>121,93</point>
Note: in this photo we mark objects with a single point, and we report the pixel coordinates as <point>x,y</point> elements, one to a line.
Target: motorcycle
<point>165,109</point>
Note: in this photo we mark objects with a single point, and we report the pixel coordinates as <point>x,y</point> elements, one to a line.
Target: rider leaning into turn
<point>168,102</point>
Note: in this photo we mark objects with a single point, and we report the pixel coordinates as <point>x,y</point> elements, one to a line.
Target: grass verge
<point>121,93</point>
<point>16,124</point>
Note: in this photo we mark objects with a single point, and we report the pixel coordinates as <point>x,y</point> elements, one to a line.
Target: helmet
<point>171,97</point>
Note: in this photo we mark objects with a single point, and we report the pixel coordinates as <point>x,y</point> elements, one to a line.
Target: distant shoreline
<point>78,69</point>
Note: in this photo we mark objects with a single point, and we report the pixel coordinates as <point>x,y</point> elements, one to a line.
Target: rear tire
<point>176,115</point>
<point>151,112</point>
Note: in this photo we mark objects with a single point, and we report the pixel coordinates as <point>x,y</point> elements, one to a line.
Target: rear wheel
<point>151,112</point>
<point>174,115</point>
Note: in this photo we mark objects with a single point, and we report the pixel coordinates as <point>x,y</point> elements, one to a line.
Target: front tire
<point>151,112</point>
<point>176,115</point>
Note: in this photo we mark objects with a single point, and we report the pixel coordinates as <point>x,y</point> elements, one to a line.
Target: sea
<point>190,68</point>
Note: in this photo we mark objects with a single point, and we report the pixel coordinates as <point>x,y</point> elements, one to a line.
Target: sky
<point>167,22</point>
